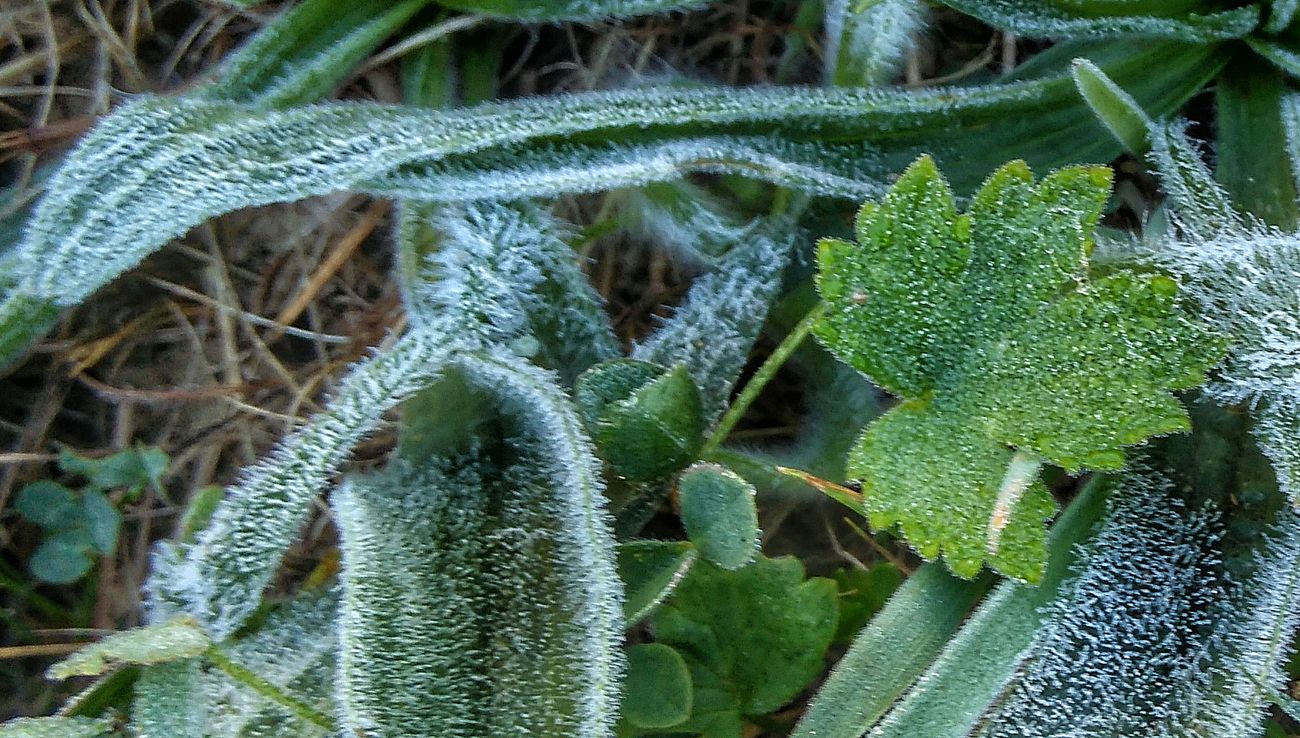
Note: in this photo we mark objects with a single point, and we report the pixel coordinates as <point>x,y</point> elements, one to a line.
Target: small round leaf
<point>49,505</point>
<point>658,690</point>
<point>717,509</point>
<point>656,431</point>
<point>59,560</point>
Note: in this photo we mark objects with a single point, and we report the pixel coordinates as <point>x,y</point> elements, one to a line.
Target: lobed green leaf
<point>987,325</point>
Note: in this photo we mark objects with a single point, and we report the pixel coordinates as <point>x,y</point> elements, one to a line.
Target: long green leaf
<point>157,168</point>
<point>220,577</point>
<point>570,10</point>
<point>480,592</point>
<point>302,55</point>
<point>1252,141</point>
<point>875,672</point>
<point>1148,19</point>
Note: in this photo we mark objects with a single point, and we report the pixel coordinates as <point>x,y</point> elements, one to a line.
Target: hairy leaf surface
<point>480,597</point>
<point>156,168</point>
<point>570,10</point>
<point>174,640</point>
<point>988,326</point>
<point>1060,19</point>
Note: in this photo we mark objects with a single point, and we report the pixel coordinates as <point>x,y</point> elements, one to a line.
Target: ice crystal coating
<point>155,168</point>
<point>173,640</point>
<point>988,326</point>
<point>296,650</point>
<point>1257,637</point>
<point>480,597</point>
<point>57,727</point>
<point>1127,648</point>
<point>713,330</point>
<point>570,10</point>
<point>220,577</point>
<point>169,702</point>
<point>1245,278</point>
<point>502,274</point>
<point>1059,20</point>
<point>865,46</point>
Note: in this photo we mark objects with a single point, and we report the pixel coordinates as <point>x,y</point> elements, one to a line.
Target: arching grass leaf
<point>1061,20</point>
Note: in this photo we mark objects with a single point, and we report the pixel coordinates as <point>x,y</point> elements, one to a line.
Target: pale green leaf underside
<point>173,640</point>
<point>1045,18</point>
<point>986,324</point>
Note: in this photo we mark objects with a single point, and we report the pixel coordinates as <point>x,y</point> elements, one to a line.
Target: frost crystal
<point>1245,278</point>
<point>480,593</point>
<point>1128,646</point>
<point>712,332</point>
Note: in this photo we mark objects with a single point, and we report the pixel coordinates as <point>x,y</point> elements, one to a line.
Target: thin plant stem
<point>762,377</point>
<point>248,678</point>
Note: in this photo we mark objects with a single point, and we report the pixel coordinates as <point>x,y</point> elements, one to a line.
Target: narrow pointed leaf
<point>174,640</point>
<point>1114,107</point>
<point>220,578</point>
<point>1058,20</point>
<point>570,10</point>
<point>57,727</point>
<point>924,613</point>
<point>949,698</point>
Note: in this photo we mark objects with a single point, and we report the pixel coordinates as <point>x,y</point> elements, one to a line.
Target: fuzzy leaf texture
<point>220,577</point>
<point>1202,22</point>
<point>173,640</point>
<point>505,275</point>
<point>155,168</point>
<point>570,10</point>
<point>1244,276</point>
<point>480,597</point>
<point>1126,650</point>
<point>989,328</point>
<point>57,727</point>
<point>865,46</point>
<point>712,332</point>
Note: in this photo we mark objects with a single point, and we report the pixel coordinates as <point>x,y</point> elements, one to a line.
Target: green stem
<point>253,681</point>
<point>762,377</point>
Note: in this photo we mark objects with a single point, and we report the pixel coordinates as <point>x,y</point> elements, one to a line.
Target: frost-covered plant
<point>491,568</point>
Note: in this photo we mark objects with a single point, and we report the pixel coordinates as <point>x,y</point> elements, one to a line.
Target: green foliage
<point>658,689</point>
<point>989,327</point>
<point>506,551</point>
<point>863,592</point>
<point>650,571</point>
<point>752,638</point>
<point>1177,19</point>
<point>718,512</point>
<point>558,10</point>
<point>57,727</point>
<point>173,640</point>
<point>646,421</point>
<point>82,524</point>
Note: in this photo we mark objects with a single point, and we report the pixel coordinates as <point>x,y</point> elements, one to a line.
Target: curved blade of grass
<point>154,169</point>
<point>1252,138</point>
<point>480,592</point>
<point>302,55</point>
<point>570,10</point>
<point>875,672</point>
